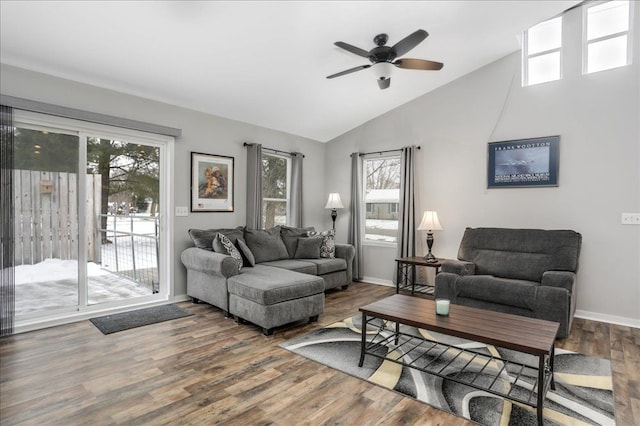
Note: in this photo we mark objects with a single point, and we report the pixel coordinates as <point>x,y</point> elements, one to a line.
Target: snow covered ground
<point>53,283</point>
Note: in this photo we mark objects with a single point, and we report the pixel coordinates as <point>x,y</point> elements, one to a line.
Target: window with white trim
<point>381,191</point>
<point>276,172</point>
<point>542,52</point>
<point>606,41</point>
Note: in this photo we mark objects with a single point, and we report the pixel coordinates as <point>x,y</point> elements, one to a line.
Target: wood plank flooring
<point>207,369</point>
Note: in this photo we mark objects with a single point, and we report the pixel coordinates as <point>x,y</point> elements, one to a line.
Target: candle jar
<point>442,307</point>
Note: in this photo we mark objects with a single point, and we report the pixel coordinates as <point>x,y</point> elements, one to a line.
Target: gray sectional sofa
<point>529,272</point>
<point>279,276</point>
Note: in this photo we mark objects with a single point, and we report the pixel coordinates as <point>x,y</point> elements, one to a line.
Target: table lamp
<point>334,203</point>
<point>430,223</point>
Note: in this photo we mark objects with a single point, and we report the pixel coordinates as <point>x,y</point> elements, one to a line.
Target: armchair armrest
<point>560,279</point>
<point>209,262</point>
<point>458,267</point>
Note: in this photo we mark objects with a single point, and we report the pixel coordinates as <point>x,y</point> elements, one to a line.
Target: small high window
<point>541,52</point>
<point>606,36</point>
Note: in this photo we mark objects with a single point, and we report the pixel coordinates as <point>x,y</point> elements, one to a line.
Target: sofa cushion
<point>290,237</point>
<point>503,291</point>
<point>266,244</point>
<point>303,266</point>
<point>245,251</point>
<point>326,266</point>
<point>308,248</point>
<point>328,248</point>
<point>267,285</point>
<point>203,238</point>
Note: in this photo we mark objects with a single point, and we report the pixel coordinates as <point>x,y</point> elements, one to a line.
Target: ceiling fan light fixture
<point>382,70</point>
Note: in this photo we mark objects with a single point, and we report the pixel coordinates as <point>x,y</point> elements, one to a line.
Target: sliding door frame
<point>84,130</point>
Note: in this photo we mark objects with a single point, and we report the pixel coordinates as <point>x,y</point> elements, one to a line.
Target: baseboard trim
<point>378,281</point>
<point>611,319</point>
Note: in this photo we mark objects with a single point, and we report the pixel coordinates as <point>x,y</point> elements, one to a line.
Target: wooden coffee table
<point>522,334</point>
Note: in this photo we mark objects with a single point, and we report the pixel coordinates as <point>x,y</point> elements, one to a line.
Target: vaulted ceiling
<point>262,62</point>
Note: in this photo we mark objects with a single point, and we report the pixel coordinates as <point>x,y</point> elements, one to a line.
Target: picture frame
<point>523,163</point>
<point>212,182</point>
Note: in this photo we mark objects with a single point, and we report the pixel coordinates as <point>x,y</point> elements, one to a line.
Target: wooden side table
<point>406,275</point>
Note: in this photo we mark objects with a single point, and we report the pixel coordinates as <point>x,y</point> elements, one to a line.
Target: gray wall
<point>597,117</point>
<point>200,133</point>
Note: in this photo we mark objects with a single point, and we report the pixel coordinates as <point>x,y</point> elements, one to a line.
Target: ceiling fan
<point>382,57</point>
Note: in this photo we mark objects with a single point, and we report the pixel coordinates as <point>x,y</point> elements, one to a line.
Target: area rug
<point>583,393</point>
<point>126,320</point>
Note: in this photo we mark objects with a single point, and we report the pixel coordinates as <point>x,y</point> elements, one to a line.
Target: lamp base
<point>430,258</point>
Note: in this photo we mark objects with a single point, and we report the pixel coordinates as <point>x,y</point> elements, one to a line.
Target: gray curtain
<point>355,221</point>
<point>254,186</point>
<point>407,211</point>
<point>7,285</point>
<point>295,206</point>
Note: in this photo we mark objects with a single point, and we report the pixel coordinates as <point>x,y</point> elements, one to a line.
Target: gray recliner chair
<point>529,272</point>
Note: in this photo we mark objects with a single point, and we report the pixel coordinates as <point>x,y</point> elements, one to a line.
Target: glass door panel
<point>46,220</point>
<point>123,196</point>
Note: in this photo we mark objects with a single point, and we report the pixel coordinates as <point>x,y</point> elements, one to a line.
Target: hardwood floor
<point>207,369</point>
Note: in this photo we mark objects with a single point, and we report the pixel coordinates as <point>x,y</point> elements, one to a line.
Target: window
<point>275,189</point>
<point>541,52</point>
<point>606,36</point>
<point>382,196</point>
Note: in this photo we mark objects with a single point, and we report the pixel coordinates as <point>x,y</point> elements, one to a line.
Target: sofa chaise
<point>529,272</point>
<point>277,276</point>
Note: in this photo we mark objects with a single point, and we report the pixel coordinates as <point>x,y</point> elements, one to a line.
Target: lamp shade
<point>430,222</point>
<point>334,201</point>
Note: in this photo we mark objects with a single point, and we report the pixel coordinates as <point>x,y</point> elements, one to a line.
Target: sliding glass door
<point>89,208</point>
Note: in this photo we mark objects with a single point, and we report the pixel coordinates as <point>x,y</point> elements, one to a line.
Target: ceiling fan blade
<point>349,71</point>
<point>409,42</point>
<point>418,64</point>
<point>384,83</point>
<point>352,49</point>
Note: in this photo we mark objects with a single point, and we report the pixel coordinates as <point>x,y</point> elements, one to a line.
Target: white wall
<point>200,133</point>
<point>597,118</point>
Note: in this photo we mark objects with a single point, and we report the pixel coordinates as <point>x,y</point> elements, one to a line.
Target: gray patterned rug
<point>583,392</point>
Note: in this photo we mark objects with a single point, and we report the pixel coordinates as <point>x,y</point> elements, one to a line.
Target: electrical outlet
<point>182,211</point>
<point>630,219</point>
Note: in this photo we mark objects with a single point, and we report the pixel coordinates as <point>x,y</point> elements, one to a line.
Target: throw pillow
<point>231,249</point>
<point>245,251</point>
<point>266,244</point>
<point>290,237</point>
<point>308,248</point>
<point>328,247</point>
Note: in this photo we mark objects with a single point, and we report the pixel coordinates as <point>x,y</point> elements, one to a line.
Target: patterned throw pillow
<point>328,247</point>
<point>231,249</point>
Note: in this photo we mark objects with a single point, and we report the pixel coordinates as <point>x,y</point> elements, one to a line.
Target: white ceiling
<point>262,62</point>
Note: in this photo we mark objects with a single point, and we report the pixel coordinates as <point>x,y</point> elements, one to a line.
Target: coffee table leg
<point>397,333</point>
<point>364,339</point>
<point>551,358</point>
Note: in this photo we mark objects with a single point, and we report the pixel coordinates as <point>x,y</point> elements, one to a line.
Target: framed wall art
<point>523,163</point>
<point>211,183</point>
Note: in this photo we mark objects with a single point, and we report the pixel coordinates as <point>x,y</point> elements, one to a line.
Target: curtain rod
<point>277,151</point>
<point>362,154</point>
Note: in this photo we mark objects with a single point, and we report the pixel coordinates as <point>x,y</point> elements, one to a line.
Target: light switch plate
<point>182,211</point>
<point>630,219</point>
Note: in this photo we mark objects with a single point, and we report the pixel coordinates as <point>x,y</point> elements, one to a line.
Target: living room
<point>596,116</point>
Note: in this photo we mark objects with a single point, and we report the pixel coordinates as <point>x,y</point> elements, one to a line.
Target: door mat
<point>583,392</point>
<point>126,320</point>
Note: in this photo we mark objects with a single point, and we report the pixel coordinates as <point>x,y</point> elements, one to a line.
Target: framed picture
<point>211,183</point>
<point>523,163</point>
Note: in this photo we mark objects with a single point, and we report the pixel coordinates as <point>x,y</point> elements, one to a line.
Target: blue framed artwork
<point>523,163</point>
